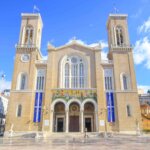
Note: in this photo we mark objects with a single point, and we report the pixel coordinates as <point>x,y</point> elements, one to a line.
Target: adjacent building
<point>145,110</point>
<point>4,99</point>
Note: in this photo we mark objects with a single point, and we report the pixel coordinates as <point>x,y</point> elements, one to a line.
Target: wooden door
<point>74,124</point>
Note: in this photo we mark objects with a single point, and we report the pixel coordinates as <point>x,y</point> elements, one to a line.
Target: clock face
<point>25,57</point>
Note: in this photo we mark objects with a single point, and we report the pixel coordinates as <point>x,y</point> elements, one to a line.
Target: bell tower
<point>31,31</point>
<point>118,35</point>
<point>125,87</point>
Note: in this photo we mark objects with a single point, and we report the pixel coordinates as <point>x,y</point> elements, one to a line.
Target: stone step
<point>72,135</point>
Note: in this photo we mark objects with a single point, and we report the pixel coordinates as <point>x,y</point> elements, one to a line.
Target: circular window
<point>25,57</point>
<point>74,60</point>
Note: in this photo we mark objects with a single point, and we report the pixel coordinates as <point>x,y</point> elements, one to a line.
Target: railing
<point>106,61</point>
<point>25,46</point>
<point>68,94</point>
<point>123,47</point>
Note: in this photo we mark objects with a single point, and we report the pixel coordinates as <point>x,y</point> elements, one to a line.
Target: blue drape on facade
<point>110,107</point>
<point>38,107</point>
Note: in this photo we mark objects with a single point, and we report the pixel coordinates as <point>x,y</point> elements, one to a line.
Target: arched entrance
<point>89,117</point>
<point>74,115</point>
<point>59,116</point>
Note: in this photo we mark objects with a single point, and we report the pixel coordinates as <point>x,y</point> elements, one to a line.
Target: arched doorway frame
<point>52,120</point>
<point>67,108</point>
<point>67,105</point>
<point>92,101</point>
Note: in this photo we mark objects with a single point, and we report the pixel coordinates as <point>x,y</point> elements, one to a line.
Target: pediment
<point>75,45</point>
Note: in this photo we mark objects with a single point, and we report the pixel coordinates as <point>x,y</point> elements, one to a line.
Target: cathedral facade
<point>73,90</point>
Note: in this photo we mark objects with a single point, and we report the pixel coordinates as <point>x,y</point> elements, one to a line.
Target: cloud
<point>142,52</point>
<point>145,27</point>
<point>4,84</point>
<point>142,46</point>
<point>77,40</point>
<point>104,44</point>
<point>44,57</point>
<point>144,87</point>
<point>104,55</point>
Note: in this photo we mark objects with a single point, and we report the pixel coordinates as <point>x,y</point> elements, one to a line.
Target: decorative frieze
<point>68,94</point>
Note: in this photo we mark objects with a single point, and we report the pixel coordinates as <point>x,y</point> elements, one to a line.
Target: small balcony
<point>41,62</point>
<point>106,62</point>
<point>25,46</point>
<point>68,94</point>
<point>124,47</point>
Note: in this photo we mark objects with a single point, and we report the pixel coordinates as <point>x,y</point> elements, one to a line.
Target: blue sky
<point>85,19</point>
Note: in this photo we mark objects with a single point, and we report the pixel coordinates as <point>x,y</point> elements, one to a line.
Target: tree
<point>148,92</point>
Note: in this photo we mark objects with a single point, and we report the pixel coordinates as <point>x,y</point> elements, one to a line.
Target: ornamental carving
<point>78,94</point>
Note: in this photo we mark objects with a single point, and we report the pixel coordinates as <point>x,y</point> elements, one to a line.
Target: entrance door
<point>74,124</point>
<point>60,124</point>
<point>88,124</point>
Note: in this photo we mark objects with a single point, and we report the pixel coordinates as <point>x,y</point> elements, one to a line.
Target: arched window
<point>125,81</point>
<point>19,110</point>
<point>28,36</point>
<point>81,71</point>
<point>119,36</point>
<point>66,75</point>
<point>22,81</point>
<point>40,79</point>
<point>73,68</point>
<point>108,74</point>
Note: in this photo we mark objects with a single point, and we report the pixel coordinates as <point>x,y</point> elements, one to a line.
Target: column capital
<point>66,110</point>
<point>51,110</point>
<point>81,110</point>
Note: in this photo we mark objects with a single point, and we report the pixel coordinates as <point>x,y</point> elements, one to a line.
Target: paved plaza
<point>118,142</point>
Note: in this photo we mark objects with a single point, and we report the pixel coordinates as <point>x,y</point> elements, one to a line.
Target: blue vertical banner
<point>38,107</point>
<point>110,107</point>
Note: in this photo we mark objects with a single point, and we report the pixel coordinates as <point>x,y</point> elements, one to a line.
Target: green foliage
<point>146,130</point>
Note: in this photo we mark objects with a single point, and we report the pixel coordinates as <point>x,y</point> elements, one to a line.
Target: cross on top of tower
<point>115,9</point>
<point>36,9</point>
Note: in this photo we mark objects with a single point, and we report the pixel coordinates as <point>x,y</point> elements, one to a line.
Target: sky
<point>83,19</point>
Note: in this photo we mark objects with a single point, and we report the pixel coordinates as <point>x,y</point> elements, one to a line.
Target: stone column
<point>52,121</point>
<point>96,121</point>
<point>82,121</point>
<point>67,121</point>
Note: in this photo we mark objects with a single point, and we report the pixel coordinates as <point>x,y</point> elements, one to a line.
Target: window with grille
<point>28,35</point>
<point>119,36</point>
<point>40,79</point>
<point>108,79</point>
<point>74,73</point>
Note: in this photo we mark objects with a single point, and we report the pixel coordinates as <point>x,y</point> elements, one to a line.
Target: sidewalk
<point>116,142</point>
